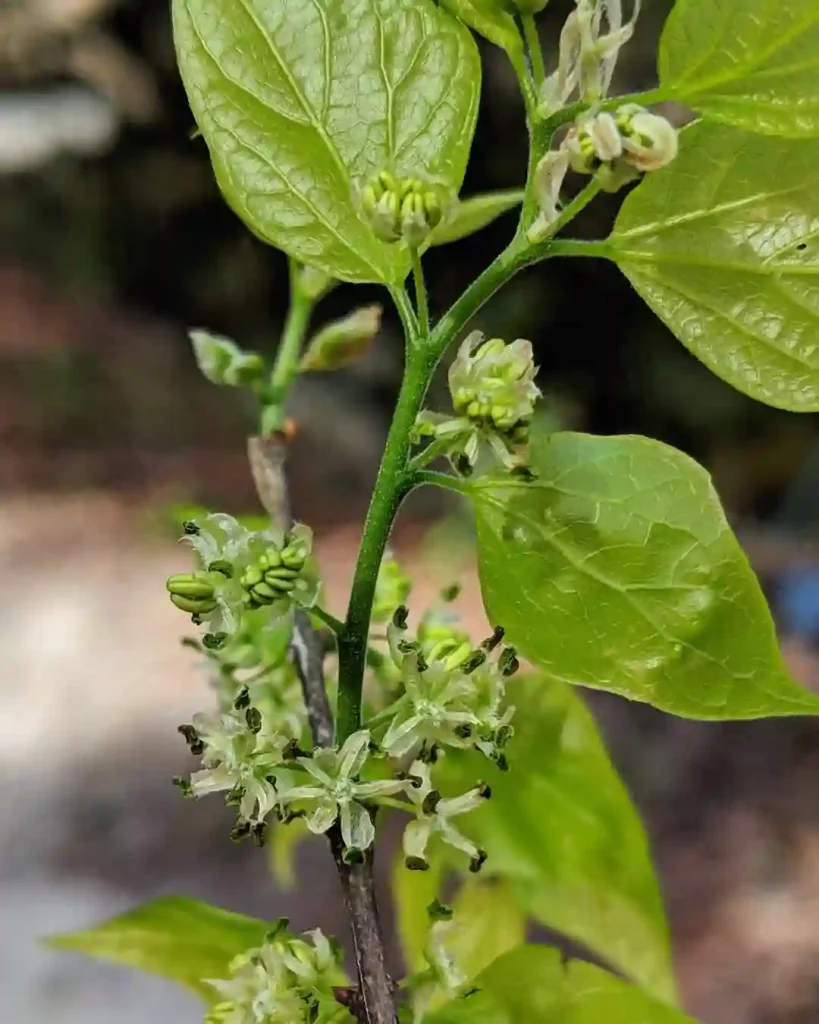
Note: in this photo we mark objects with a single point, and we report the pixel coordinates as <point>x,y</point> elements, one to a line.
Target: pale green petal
<point>357,828</point>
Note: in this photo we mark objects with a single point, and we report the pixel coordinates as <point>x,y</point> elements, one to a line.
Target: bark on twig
<point>373,1003</point>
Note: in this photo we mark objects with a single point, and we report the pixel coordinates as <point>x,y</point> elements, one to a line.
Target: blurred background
<point>113,240</point>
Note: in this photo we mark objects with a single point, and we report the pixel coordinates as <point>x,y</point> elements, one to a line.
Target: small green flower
<point>433,818</point>
<point>336,793</point>
<point>401,208</point>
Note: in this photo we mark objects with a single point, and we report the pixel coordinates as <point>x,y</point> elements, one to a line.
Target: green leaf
<point>616,569</point>
<point>723,245</point>
<point>494,22</point>
<point>532,985</point>
<point>302,102</point>
<point>412,893</point>
<point>475,213</point>
<point>342,341</point>
<point>487,924</point>
<point>751,63</point>
<point>174,936</point>
<point>221,360</point>
<point>561,831</point>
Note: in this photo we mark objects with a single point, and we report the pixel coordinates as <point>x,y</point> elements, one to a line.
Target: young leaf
<point>486,924</point>
<point>532,985</point>
<point>412,893</point>
<point>174,936</point>
<point>616,569</point>
<point>302,103</point>
<point>722,244</point>
<point>751,63</point>
<point>223,362</point>
<point>475,213</point>
<point>342,341</point>
<point>563,835</point>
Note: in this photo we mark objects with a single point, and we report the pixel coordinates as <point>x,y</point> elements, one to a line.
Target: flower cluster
<point>284,981</point>
<point>618,147</point>
<point>493,397</point>
<point>401,208</point>
<point>243,570</point>
<point>453,694</point>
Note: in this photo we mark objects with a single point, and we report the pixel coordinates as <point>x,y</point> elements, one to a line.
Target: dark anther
<point>416,864</point>
<point>429,755</point>
<point>253,717</point>
<point>214,641</point>
<point>242,701</point>
<point>234,797</point>
<point>259,831</point>
<point>292,751</point>
<point>352,855</point>
<point>503,735</point>
<point>477,862</point>
<point>508,661</point>
<point>281,924</point>
<point>197,619</point>
<point>484,790</point>
<point>241,830</point>
<point>501,762</point>
<point>193,739</point>
<point>475,660</point>
<point>223,566</point>
<point>463,465</point>
<point>524,473</point>
<point>438,911</point>
<point>408,646</point>
<point>400,617</point>
<point>190,528</point>
<point>422,662</point>
<point>183,785</point>
<point>463,731</point>
<point>431,801</point>
<point>451,592</point>
<point>494,640</point>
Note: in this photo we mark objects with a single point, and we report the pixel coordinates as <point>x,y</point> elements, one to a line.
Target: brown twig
<point>374,1003</point>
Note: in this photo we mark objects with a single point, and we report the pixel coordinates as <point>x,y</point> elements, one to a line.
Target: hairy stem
<point>421,300</point>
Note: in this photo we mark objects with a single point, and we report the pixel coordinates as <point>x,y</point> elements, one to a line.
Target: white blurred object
<point>36,127</point>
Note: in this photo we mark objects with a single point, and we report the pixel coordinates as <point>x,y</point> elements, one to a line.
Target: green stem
<point>286,364</point>
<point>391,487</point>
<point>405,311</point>
<point>421,300</point>
<point>444,480</point>
<point>530,34</point>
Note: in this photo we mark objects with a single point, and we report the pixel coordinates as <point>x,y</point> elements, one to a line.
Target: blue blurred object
<point>798,602</point>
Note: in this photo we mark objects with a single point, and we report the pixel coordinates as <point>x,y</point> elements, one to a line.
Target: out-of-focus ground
<point>113,239</point>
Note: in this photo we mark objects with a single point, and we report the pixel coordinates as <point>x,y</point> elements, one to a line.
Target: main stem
<point>391,485</point>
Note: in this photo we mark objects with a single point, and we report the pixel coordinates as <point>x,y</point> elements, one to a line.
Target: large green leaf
<point>177,937</point>
<point>493,20</point>
<point>532,985</point>
<point>723,245</point>
<point>561,831</point>
<point>616,569</point>
<point>752,63</point>
<point>301,102</point>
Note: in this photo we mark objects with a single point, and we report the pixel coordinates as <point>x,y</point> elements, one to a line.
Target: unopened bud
<point>343,340</point>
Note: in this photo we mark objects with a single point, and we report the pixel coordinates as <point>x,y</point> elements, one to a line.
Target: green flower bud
<point>197,606</point>
<point>190,585</point>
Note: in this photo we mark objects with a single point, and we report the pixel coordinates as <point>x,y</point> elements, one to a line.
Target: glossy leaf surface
<point>532,985</point>
<point>723,244</point>
<point>562,833</point>
<point>751,63</point>
<point>179,938</point>
<point>494,21</point>
<point>616,569</point>
<point>475,213</point>
<point>302,102</point>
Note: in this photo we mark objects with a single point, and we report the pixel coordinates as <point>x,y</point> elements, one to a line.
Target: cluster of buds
<point>493,396</point>
<point>590,42</point>
<point>243,570</point>
<point>276,574</point>
<point>406,208</point>
<point>286,980</point>
<point>453,693</point>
